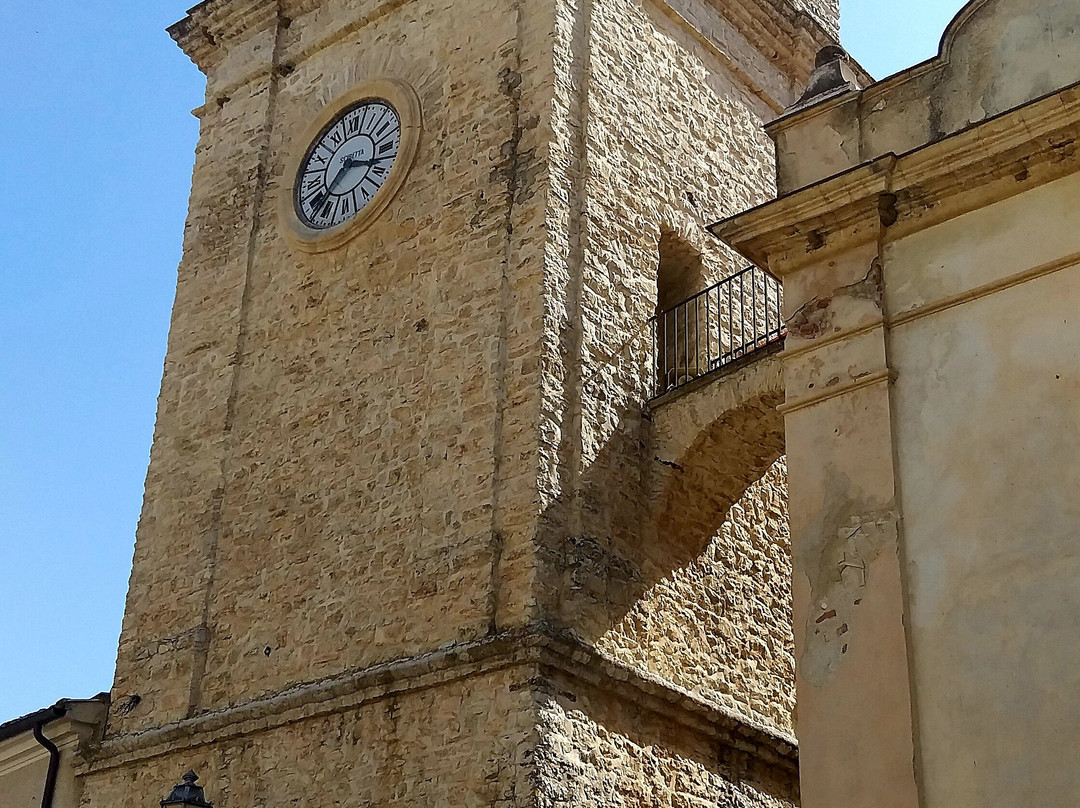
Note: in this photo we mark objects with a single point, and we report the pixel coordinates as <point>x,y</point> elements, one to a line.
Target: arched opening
<point>680,275</point>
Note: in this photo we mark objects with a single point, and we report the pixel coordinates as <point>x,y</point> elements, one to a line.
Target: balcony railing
<point>716,328</point>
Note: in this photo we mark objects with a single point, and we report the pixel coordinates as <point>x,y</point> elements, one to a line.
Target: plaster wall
<point>926,234</point>
<point>22,782</point>
<point>987,434</point>
<point>856,742</point>
<point>24,766</point>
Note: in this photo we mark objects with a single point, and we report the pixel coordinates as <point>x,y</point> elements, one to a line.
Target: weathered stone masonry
<point>400,543</point>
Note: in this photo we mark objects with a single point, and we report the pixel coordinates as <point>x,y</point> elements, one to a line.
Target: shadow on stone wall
<point>681,570</point>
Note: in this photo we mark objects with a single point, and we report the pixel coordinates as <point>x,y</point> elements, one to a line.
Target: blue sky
<point>96,149</point>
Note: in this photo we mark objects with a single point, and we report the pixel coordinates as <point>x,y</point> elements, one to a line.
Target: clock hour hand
<point>318,201</point>
<point>350,163</point>
<point>341,173</point>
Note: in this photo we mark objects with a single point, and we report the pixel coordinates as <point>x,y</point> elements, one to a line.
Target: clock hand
<point>350,163</point>
<point>320,200</point>
<point>341,173</point>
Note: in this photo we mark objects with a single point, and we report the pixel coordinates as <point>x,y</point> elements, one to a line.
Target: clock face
<point>347,164</point>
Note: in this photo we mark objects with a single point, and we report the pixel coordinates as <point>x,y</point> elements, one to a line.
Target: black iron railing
<point>717,327</point>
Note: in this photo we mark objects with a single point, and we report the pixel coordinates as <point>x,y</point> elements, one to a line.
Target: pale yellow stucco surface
<point>987,424</point>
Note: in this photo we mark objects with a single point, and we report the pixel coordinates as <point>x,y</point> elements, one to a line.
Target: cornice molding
<point>24,750</point>
<point>211,27</point>
<point>788,37</point>
<point>986,163</point>
<point>994,57</point>
<point>537,646</point>
<point>809,224</point>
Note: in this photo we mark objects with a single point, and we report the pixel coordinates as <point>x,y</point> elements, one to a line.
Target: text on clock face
<point>347,164</point>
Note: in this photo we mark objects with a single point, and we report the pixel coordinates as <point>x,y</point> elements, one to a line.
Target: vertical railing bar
<point>680,336</point>
<point>779,309</point>
<point>661,349</point>
<point>767,329</point>
<point>779,316</point>
<point>768,280</point>
<point>742,313</point>
<point>685,348</point>
<point>686,341</point>
<point>765,323</point>
<point>655,356</point>
<point>765,291</point>
<point>777,304</point>
<point>697,336</point>
<point>667,350</point>
<point>717,327</point>
<point>731,320</point>
<point>678,341</point>
<point>670,337</point>
<point>673,348</point>
<point>708,330</point>
<point>776,291</point>
<point>711,357</point>
<point>753,308</point>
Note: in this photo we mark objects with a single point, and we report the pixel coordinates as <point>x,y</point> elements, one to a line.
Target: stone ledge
<point>537,646</point>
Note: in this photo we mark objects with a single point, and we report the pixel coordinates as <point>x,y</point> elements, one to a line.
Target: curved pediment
<point>998,55</point>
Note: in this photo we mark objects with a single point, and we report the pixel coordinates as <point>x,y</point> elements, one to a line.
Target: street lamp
<point>187,794</point>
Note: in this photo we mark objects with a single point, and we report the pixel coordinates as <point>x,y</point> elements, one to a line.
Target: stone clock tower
<point>397,546</point>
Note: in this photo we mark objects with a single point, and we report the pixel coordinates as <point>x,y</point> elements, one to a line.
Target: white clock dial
<point>347,164</point>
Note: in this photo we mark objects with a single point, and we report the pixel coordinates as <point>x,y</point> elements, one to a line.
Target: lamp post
<point>187,794</point>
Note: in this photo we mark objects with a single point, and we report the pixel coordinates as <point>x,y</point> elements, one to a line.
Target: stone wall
<point>466,742</point>
<point>431,443</point>
<point>596,750</point>
<point>671,141</point>
<point>825,12</point>
<point>327,469</point>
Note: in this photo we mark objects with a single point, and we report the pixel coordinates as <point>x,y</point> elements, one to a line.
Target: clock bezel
<point>406,104</point>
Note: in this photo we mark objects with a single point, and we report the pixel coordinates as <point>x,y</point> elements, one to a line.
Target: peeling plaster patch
<point>815,318</point>
<point>871,287</point>
<point>835,552</point>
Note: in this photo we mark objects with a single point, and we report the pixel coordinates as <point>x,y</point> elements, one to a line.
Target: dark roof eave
<point>26,723</point>
<point>17,726</point>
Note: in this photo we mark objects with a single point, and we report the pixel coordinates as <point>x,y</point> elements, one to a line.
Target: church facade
<point>927,237</point>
